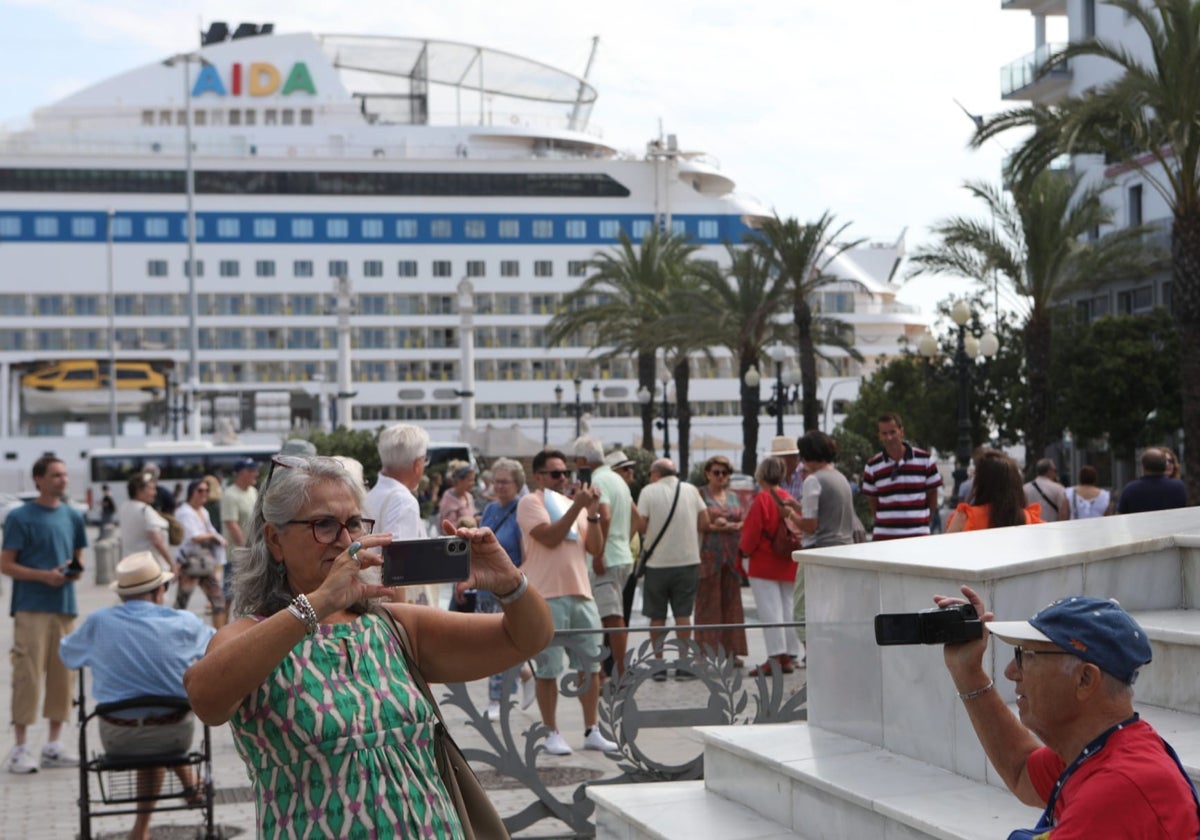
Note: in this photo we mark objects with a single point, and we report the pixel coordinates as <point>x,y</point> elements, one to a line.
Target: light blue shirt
<point>136,648</point>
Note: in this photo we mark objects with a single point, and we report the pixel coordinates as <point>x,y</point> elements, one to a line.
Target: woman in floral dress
<point>719,593</point>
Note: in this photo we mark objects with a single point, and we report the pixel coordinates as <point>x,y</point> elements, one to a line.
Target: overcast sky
<point>844,106</point>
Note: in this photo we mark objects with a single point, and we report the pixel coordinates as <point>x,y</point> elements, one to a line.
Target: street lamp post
<point>664,421</point>
<point>576,408</point>
<point>784,392</point>
<point>969,348</point>
<point>112,336</point>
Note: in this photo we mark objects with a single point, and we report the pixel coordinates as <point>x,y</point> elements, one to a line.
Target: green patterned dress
<point>338,742</point>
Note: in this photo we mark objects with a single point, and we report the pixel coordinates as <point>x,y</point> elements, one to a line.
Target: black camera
<point>936,626</point>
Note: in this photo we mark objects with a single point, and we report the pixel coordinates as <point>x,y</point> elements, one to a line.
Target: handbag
<point>639,567</point>
<point>479,818</point>
<point>198,561</point>
<point>174,529</point>
<point>785,540</point>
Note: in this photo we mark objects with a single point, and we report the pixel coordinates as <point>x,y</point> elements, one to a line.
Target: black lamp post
<point>968,349</point>
<point>784,392</point>
<point>663,422</point>
<point>576,409</point>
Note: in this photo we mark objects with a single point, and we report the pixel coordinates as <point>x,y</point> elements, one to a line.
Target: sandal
<point>785,664</point>
<point>738,662</point>
<point>764,669</point>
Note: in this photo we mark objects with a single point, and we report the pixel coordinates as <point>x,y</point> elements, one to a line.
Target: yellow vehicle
<point>81,386</point>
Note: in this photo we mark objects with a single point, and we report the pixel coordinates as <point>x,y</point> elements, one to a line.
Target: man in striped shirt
<point>901,483</point>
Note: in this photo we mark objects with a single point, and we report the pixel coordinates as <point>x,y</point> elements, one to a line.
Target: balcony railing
<point>1029,69</point>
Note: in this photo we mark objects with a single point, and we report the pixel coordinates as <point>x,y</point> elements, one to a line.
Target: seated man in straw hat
<point>141,647</point>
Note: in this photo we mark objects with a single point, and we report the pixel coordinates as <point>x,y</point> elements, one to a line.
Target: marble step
<point>1180,729</point>
<point>831,787</point>
<point>677,811</point>
<point>1170,680</point>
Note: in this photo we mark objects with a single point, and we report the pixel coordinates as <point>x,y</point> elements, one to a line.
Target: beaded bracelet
<point>979,692</point>
<point>509,597</point>
<point>303,610</point>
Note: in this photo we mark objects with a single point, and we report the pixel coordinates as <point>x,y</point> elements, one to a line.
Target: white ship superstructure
<point>360,180</point>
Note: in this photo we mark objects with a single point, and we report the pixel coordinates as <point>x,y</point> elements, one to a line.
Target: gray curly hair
<point>259,588</point>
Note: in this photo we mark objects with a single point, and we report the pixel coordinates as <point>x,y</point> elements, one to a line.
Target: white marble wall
<point>901,698</point>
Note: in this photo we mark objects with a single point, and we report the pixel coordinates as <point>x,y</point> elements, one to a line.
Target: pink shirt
<point>558,571</point>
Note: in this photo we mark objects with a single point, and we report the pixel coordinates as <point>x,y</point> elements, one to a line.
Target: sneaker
<point>493,710</point>
<point>55,754</point>
<point>683,675</point>
<point>21,760</point>
<point>593,740</point>
<point>555,745</point>
<point>528,692</point>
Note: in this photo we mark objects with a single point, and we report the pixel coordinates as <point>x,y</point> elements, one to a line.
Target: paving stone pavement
<point>43,805</point>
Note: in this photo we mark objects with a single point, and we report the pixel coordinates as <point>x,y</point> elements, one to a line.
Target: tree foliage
<point>360,444</point>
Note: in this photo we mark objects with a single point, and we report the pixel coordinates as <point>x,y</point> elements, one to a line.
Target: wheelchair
<point>109,786</point>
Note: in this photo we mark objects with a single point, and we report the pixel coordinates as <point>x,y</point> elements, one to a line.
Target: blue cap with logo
<point>1097,630</point>
<point>245,464</point>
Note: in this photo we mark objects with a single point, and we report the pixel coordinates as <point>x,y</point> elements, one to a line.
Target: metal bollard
<point>104,557</point>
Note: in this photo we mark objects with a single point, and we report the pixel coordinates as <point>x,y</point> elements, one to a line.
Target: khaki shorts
<point>607,589</point>
<point>148,740</point>
<point>570,612</point>
<point>34,659</point>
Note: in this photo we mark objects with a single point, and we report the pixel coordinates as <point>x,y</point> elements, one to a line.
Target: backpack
<point>786,538</point>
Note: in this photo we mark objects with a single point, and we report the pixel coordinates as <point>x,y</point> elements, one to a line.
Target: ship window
<point>287,116</point>
<point>443,371</point>
<point>306,116</point>
<point>183,227</point>
<point>372,228</point>
<point>230,339</point>
<point>373,268</point>
<point>266,339</point>
<point>510,268</point>
<point>268,305</point>
<point>227,304</point>
<point>156,268</point>
<point>508,304</point>
<point>251,116</point>
<point>264,228</point>
<point>85,305</point>
<point>270,116</point>
<point>476,268</point>
<point>217,117</point>
<point>408,268</point>
<point>372,304</point>
<point>338,268</point>
<point>199,269</point>
<point>122,227</point>
<point>408,305</point>
<point>375,339</point>
<point>83,227</point>
<point>641,228</point>
<point>50,340</point>
<point>440,229</point>
<point>304,304</point>
<point>609,228</point>
<point>159,304</point>
<point>543,268</point>
<point>45,226</point>
<point>12,340</point>
<point>508,228</point>
<point>181,118</point>
<point>406,228</point>
<point>576,229</point>
<point>679,227</point>
<point>12,304</point>
<point>474,229</point>
<point>200,117</point>
<point>337,228</point>
<point>441,268</point>
<point>48,304</point>
<point>228,228</point>
<point>302,228</point>
<point>304,339</point>
<point>302,268</point>
<point>264,268</point>
<point>541,304</point>
<point>577,268</point>
<point>10,226</point>
<point>164,117</point>
<point>147,118</point>
<point>708,229</point>
<point>543,228</point>
<point>229,268</point>
<point>235,116</point>
<point>125,305</point>
<point>441,305</point>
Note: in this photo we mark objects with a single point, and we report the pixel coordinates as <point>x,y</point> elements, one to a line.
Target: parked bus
<point>178,461</point>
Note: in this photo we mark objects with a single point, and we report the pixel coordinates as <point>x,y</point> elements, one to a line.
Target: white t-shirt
<point>680,545</point>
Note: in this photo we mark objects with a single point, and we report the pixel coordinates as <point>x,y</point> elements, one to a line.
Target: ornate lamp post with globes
<point>786,389</point>
<point>663,422</point>
<point>970,347</point>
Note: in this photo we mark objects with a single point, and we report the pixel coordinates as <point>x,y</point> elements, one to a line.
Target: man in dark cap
<point>1103,771</point>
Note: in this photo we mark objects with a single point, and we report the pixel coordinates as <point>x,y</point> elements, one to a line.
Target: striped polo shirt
<point>901,489</point>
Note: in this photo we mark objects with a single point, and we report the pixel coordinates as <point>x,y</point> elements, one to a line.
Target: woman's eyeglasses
<point>719,473</point>
<point>326,529</point>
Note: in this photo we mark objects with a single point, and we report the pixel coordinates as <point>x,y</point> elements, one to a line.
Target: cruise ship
<point>384,226</point>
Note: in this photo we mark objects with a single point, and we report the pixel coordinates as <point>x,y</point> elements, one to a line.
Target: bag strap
<point>1042,493</point>
<point>662,533</point>
<point>401,636</point>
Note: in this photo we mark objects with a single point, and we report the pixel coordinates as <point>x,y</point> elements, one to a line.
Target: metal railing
<point>732,699</point>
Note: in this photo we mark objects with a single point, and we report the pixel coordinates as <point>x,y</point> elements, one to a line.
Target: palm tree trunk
<point>808,364</point>
<point>1037,354</point>
<point>1185,295</point>
<point>751,405</point>
<point>683,375</point>
<point>646,371</point>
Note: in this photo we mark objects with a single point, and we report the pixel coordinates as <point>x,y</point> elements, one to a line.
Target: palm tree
<point>739,309</point>
<point>1039,245</point>
<point>800,255</point>
<point>624,302</point>
<point>1145,119</point>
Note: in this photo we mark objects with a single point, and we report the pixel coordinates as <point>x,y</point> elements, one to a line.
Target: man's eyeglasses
<point>1019,653</point>
<point>555,474</point>
<point>326,529</point>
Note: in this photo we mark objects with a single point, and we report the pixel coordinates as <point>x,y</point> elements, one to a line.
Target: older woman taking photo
<point>336,735</point>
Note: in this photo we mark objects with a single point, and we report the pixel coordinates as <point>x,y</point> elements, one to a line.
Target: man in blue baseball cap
<point>1102,772</point>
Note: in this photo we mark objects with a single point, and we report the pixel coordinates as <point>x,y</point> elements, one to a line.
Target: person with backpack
<point>768,540</point>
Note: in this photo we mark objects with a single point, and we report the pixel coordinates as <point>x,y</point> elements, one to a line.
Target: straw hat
<point>139,573</point>
<point>783,445</point>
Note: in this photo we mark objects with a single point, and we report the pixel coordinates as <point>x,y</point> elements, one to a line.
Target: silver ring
<point>353,550</point>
